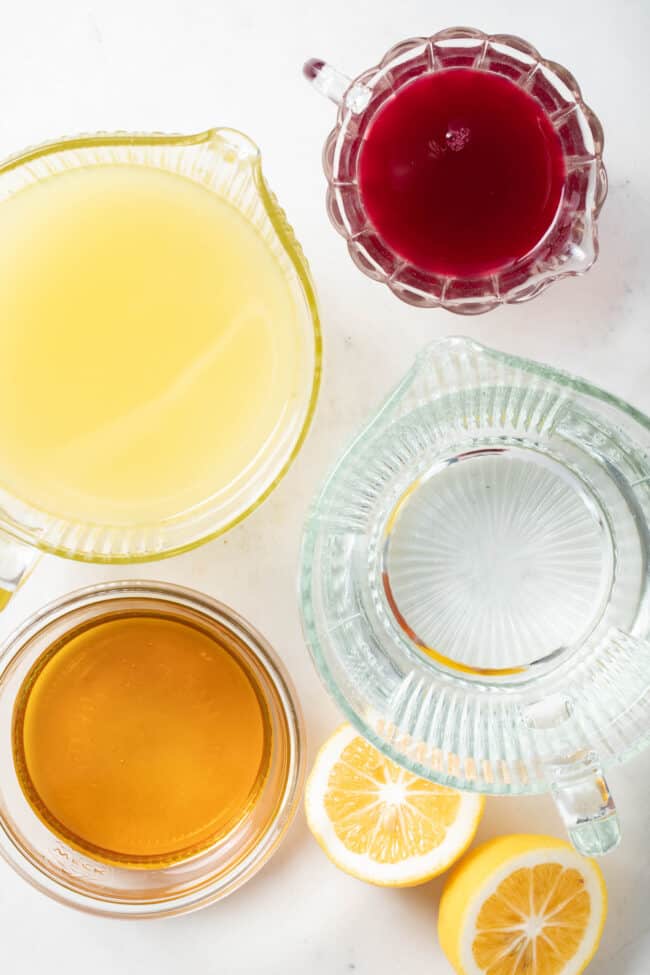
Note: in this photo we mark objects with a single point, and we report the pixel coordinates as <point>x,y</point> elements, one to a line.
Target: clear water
<point>483,547</point>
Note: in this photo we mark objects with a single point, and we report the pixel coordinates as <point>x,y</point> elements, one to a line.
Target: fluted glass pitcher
<point>475,581</point>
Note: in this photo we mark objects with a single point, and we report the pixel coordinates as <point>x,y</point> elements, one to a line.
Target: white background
<point>67,67</point>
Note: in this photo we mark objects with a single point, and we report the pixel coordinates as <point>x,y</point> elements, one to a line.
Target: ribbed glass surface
<point>571,245</point>
<point>474,575</point>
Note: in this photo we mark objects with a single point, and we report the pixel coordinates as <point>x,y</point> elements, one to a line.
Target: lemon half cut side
<point>379,822</point>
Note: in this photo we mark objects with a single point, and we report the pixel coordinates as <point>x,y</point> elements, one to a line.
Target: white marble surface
<point>88,65</point>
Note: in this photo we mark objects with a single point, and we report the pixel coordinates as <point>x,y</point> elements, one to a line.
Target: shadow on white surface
<point>630,959</point>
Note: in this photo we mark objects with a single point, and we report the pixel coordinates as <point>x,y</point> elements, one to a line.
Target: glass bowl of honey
<point>150,750</point>
<point>465,171</point>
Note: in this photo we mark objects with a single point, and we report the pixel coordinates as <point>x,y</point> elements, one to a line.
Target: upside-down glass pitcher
<point>475,587</point>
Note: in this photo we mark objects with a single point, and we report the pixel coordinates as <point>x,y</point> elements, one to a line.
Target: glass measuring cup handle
<point>576,780</point>
<point>585,803</point>
<point>336,86</point>
<point>16,562</point>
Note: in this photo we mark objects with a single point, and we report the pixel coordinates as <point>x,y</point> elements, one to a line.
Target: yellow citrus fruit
<point>379,822</point>
<point>522,905</point>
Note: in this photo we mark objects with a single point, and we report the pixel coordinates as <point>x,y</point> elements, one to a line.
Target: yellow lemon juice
<point>150,344</point>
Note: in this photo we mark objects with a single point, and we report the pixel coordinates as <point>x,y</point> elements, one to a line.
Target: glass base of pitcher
<point>497,559</point>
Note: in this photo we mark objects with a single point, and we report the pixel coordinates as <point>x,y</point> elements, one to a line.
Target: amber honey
<point>141,739</point>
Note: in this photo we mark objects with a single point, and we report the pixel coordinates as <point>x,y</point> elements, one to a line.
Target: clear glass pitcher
<point>228,164</point>
<point>474,581</point>
<point>568,248</point>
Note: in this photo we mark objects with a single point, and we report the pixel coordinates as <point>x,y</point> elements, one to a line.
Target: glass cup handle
<point>336,86</point>
<point>585,804</point>
<point>16,562</point>
<point>576,780</point>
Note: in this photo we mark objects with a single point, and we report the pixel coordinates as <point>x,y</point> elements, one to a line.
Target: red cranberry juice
<point>461,172</point>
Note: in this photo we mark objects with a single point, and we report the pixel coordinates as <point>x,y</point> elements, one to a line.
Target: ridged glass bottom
<point>475,585</point>
<point>497,558</point>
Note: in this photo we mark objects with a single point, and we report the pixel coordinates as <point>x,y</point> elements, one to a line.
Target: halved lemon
<point>379,822</point>
<point>522,905</point>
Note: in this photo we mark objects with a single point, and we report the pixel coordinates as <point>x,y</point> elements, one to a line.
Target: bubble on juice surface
<point>457,136</point>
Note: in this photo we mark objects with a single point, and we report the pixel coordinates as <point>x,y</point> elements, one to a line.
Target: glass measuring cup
<point>227,164</point>
<point>570,245</point>
<point>474,581</point>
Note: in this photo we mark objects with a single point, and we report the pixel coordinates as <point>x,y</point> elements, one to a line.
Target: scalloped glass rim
<point>229,163</point>
<point>509,774</point>
<point>571,245</point>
